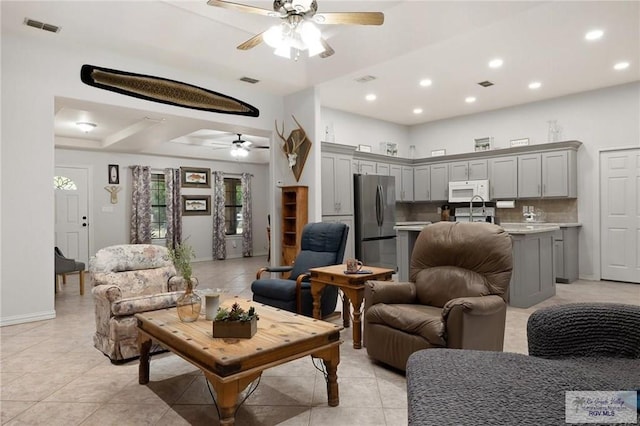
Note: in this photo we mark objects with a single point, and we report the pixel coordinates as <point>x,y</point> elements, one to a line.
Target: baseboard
<point>21,319</point>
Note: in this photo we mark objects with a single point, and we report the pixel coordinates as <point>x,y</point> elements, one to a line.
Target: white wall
<point>34,71</point>
<point>112,227</point>
<point>600,119</point>
<point>353,129</point>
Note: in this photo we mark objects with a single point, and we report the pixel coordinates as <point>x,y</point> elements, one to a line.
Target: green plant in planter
<point>188,304</point>
<point>181,256</point>
<point>236,314</point>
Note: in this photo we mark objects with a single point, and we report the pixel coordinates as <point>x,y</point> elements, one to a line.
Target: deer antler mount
<point>296,147</point>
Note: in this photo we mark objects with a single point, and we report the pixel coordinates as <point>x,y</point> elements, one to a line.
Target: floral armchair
<point>129,279</point>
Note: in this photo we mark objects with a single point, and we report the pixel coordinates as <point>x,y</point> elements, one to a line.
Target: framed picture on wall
<point>114,174</point>
<point>196,205</point>
<point>194,177</point>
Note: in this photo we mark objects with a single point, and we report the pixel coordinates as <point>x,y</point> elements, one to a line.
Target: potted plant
<point>189,303</point>
<point>235,322</point>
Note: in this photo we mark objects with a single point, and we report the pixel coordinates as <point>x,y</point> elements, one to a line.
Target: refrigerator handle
<point>379,206</point>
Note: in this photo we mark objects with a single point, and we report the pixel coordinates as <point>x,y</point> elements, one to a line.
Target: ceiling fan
<point>241,147</point>
<point>297,31</point>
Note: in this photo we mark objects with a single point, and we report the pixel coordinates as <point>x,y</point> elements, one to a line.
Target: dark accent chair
<point>64,266</point>
<point>455,297</point>
<point>573,347</point>
<point>322,244</point>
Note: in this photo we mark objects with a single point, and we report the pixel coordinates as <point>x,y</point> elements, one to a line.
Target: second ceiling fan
<point>297,31</point>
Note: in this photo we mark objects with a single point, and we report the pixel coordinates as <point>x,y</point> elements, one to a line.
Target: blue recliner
<point>322,244</point>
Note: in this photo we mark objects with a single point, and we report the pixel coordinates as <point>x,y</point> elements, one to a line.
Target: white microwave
<point>463,191</point>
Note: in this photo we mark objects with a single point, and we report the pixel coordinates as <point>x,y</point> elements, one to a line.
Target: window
<point>64,183</point>
<point>233,206</point>
<point>158,207</point>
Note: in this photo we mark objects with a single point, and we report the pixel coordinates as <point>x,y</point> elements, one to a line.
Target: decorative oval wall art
<point>165,91</point>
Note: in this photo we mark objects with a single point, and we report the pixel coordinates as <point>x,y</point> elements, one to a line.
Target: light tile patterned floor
<point>52,375</point>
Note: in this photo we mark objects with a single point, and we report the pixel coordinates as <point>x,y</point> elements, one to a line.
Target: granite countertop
<point>559,224</point>
<point>528,228</point>
<point>410,226</point>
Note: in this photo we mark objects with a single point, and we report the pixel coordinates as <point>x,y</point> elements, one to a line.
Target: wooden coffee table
<point>352,285</point>
<point>230,365</point>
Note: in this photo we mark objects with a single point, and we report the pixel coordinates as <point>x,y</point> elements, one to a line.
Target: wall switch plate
<point>439,211</point>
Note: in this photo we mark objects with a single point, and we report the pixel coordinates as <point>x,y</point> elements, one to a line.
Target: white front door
<point>620,215</point>
<point>71,185</point>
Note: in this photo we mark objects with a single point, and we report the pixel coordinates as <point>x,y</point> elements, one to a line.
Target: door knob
<point>84,218</point>
<point>84,224</point>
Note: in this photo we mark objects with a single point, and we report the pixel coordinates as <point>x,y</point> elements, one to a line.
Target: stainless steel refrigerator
<point>375,217</point>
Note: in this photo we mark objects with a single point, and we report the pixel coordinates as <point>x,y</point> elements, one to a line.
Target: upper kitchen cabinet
<point>548,175</point>
<point>503,177</point>
<point>559,174</point>
<point>468,170</point>
<point>529,176</point>
<point>383,169</point>
<point>439,175</point>
<point>404,181</point>
<point>422,183</point>
<point>365,167</point>
<point>337,184</point>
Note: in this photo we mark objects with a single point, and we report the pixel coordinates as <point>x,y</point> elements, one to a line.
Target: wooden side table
<point>352,285</point>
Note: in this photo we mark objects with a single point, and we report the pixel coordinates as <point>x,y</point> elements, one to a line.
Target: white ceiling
<point>448,42</point>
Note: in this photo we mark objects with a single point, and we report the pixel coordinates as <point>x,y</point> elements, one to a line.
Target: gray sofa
<point>575,347</point>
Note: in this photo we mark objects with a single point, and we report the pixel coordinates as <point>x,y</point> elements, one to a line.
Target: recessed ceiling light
<point>370,97</point>
<point>535,85</point>
<point>496,63</point>
<point>470,99</point>
<point>85,126</point>
<point>621,66</point>
<point>594,35</point>
<point>425,82</point>
<point>417,110</point>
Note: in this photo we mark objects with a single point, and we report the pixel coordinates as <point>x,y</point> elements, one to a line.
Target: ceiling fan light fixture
<point>85,126</point>
<point>284,50</point>
<point>239,151</point>
<point>274,36</point>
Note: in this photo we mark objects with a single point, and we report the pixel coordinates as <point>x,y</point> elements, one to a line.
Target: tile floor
<point>52,375</point>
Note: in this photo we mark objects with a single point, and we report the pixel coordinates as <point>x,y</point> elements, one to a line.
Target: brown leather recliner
<point>459,278</point>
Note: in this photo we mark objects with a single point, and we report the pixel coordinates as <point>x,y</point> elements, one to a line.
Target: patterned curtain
<point>140,232</point>
<point>219,243</point>
<point>247,225</point>
<point>174,209</point>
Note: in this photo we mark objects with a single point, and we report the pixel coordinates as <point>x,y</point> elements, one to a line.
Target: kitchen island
<point>533,277</point>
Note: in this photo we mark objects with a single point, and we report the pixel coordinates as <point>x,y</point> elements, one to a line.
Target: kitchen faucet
<point>471,208</point>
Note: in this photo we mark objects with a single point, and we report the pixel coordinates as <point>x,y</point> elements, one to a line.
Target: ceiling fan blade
<point>328,50</point>
<point>357,18</point>
<point>241,7</point>
<point>251,43</point>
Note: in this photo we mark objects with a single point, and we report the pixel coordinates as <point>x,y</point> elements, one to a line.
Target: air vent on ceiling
<point>41,25</point>
<point>249,80</point>
<point>365,78</point>
<point>485,83</point>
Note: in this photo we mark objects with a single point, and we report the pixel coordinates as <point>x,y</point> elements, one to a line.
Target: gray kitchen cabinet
<point>350,249</point>
<point>366,167</point>
<point>566,254</point>
<point>559,174</point>
<point>503,177</point>
<point>547,175</point>
<point>439,174</point>
<point>533,276</point>
<point>337,184</point>
<point>468,170</point>
<point>422,183</point>
<point>530,176</point>
<point>403,180</point>
<point>383,169</point>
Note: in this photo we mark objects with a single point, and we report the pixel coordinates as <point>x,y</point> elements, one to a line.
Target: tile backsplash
<point>556,210</point>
